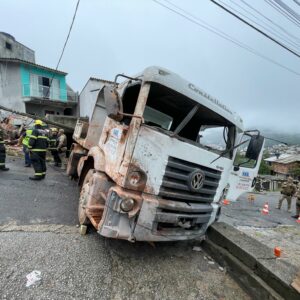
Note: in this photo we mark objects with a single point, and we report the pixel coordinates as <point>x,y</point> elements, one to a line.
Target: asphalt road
<point>245,213</point>
<point>51,201</point>
<point>38,232</point>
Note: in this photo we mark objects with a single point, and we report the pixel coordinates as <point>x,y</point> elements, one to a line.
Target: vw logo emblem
<point>196,180</point>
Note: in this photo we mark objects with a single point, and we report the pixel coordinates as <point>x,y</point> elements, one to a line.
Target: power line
<point>268,27</point>
<point>290,11</point>
<point>297,2</point>
<point>67,39</point>
<point>282,12</point>
<point>65,44</point>
<point>255,28</point>
<point>221,34</point>
<point>271,21</point>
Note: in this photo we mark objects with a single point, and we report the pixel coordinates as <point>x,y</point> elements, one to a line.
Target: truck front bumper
<point>155,219</point>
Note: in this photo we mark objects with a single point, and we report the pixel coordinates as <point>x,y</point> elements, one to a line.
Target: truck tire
<point>72,164</point>
<point>83,219</point>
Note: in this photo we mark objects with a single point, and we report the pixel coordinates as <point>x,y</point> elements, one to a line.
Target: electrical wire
<point>297,2</point>
<point>271,21</point>
<point>289,10</point>
<point>193,19</point>
<point>269,28</point>
<point>282,12</point>
<point>65,44</point>
<point>255,28</point>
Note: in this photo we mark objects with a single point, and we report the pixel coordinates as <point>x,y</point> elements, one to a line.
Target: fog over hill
<point>289,137</point>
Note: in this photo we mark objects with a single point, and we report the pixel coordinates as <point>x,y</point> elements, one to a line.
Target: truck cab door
<point>248,156</point>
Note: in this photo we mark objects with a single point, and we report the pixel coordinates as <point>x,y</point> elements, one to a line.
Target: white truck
<point>158,157</point>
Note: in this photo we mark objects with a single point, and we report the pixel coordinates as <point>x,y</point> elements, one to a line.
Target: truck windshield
<point>167,110</point>
<point>213,137</point>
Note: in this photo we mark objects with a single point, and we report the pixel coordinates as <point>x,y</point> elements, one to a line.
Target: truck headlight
<point>127,204</point>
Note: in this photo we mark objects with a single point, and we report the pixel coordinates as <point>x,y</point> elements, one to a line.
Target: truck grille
<point>175,182</point>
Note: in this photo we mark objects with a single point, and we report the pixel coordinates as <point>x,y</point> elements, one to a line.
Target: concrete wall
<point>40,110</point>
<point>87,99</point>
<point>11,87</point>
<point>17,49</point>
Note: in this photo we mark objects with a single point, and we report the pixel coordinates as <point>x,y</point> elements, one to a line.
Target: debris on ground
<point>33,277</point>
<point>196,248</point>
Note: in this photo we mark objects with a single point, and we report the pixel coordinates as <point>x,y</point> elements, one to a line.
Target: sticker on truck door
<point>113,141</point>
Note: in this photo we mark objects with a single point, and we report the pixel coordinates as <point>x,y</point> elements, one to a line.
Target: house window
<point>8,45</point>
<point>44,85</point>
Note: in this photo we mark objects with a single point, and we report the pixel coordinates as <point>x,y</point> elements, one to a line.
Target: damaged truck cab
<point>157,158</point>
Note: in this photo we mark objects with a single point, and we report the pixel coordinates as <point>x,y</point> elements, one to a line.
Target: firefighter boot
<point>4,169</point>
<point>36,178</point>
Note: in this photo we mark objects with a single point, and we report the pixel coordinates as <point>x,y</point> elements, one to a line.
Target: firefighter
<point>53,142</point>
<point>24,140</point>
<point>38,144</point>
<point>2,152</point>
<point>62,148</point>
<point>288,190</point>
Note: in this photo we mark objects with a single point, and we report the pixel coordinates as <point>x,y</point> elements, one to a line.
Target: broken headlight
<point>136,179</point>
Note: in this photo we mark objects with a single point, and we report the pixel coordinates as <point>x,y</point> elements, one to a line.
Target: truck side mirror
<point>254,147</point>
<point>113,103</point>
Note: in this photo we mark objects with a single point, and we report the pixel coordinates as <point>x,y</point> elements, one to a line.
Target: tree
<point>264,168</point>
<point>295,171</point>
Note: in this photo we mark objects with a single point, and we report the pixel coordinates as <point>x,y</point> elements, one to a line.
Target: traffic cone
<point>226,202</point>
<point>277,251</point>
<point>265,210</point>
<point>298,220</point>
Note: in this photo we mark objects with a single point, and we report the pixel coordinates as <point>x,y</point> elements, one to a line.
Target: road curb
<point>251,263</point>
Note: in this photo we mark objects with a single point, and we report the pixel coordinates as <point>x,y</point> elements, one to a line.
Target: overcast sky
<point>118,36</point>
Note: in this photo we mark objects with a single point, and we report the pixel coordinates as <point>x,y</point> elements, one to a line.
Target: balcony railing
<point>41,91</point>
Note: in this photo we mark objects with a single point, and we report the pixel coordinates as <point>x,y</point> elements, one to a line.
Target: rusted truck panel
<point>145,170</point>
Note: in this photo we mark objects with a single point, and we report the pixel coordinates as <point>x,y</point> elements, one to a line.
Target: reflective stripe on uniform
<point>42,137</point>
<point>2,164</point>
<point>38,150</point>
<point>38,174</point>
<point>1,142</point>
<point>33,137</point>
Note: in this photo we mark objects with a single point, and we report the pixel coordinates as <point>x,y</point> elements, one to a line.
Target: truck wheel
<point>83,219</point>
<point>72,165</point>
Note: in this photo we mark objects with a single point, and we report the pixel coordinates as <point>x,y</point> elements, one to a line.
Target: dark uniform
<point>2,152</point>
<point>37,145</point>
